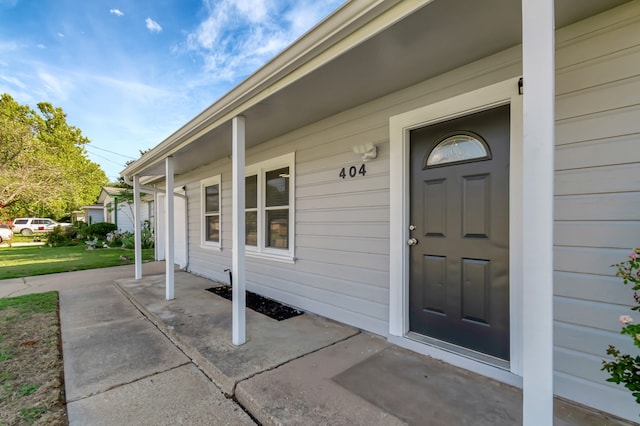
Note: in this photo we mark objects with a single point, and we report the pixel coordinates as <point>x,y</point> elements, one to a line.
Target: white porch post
<point>168,230</point>
<point>137,229</point>
<point>238,260</point>
<point>538,151</point>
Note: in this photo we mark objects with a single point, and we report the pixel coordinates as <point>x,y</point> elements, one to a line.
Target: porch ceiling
<point>441,36</point>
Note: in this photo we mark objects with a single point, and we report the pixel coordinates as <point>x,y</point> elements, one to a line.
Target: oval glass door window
<point>458,148</point>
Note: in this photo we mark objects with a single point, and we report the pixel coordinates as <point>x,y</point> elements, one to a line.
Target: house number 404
<point>352,171</point>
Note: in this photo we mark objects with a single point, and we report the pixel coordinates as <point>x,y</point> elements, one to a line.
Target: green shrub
<point>625,368</point>
<point>126,239</point>
<point>100,229</point>
<point>60,236</point>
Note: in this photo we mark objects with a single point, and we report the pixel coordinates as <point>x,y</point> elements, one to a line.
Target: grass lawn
<point>31,371</point>
<point>27,261</point>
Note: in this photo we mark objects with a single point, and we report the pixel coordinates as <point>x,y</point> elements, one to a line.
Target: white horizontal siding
<point>596,394</point>
<point>596,153</point>
<point>585,260</point>
<point>608,206</point>
<point>597,234</point>
<point>596,315</point>
<point>597,195</point>
<point>602,125</point>
<point>594,180</point>
<point>581,366</point>
<point>595,288</point>
<point>577,336</point>
<point>594,71</point>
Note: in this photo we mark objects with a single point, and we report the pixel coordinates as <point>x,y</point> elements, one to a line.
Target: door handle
<point>412,241</point>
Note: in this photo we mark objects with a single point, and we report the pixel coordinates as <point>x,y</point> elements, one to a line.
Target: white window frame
<point>215,180</point>
<point>261,169</point>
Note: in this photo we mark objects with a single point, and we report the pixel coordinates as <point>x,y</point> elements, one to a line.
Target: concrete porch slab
<point>200,324</point>
<point>365,380</point>
<point>303,392</point>
<point>308,370</point>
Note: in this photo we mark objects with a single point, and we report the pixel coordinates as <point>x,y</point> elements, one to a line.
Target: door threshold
<point>459,350</point>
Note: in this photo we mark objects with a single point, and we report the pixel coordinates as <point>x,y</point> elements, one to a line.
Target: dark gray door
<point>459,267</point>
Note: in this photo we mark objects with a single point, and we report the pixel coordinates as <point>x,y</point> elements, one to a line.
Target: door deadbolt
<point>412,227</point>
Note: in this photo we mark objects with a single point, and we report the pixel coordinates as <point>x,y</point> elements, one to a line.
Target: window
<point>211,211</point>
<point>269,212</point>
<point>458,148</point>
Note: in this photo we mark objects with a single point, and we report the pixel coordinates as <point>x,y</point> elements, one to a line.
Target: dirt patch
<point>261,304</point>
<point>31,368</point>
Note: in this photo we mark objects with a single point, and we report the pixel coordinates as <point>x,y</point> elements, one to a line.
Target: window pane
<point>251,228</point>
<point>212,195</point>
<point>278,187</point>
<point>251,192</point>
<point>277,228</point>
<point>213,228</point>
<point>457,148</point>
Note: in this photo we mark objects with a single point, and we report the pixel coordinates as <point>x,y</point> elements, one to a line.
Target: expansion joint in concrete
<point>119,385</point>
<point>157,324</point>
<point>266,370</point>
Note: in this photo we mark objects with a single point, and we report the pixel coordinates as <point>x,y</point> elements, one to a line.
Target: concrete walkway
<point>131,357</point>
<point>119,368</point>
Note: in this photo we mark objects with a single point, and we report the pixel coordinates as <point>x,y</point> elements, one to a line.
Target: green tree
<point>44,169</point>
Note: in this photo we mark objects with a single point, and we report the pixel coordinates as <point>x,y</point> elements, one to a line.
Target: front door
<point>459,215</point>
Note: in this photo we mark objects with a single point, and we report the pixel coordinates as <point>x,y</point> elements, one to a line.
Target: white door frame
<point>502,93</point>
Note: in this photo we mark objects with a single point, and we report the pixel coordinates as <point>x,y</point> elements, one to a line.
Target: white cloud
<point>41,46</point>
<point>130,89</point>
<point>304,15</point>
<point>55,86</point>
<point>239,36</point>
<point>153,26</point>
<point>13,81</point>
<point>253,10</point>
<point>60,35</point>
<point>116,12</point>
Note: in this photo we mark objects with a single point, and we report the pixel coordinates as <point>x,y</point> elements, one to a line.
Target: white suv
<point>29,225</point>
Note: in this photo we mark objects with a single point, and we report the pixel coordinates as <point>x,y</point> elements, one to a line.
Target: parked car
<point>6,234</point>
<point>29,225</point>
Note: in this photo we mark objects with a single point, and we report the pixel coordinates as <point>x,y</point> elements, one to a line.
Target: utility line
<point>112,152</point>
<point>105,158</point>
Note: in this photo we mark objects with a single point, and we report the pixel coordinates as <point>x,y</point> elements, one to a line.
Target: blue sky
<point>129,73</point>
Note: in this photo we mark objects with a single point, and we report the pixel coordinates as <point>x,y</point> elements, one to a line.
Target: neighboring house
<point>390,171</point>
<point>92,214</point>
<point>117,208</point>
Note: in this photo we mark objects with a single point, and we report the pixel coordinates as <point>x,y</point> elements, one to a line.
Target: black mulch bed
<point>260,304</point>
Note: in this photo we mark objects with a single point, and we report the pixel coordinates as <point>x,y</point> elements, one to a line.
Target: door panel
<point>459,286</point>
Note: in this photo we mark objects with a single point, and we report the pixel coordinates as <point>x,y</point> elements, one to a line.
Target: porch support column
<point>137,228</point>
<point>238,260</point>
<point>538,151</point>
<point>168,230</point>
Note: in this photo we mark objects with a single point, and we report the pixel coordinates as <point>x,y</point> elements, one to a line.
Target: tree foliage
<point>44,169</point>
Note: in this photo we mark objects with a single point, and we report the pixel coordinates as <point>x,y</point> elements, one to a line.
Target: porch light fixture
<point>368,151</point>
